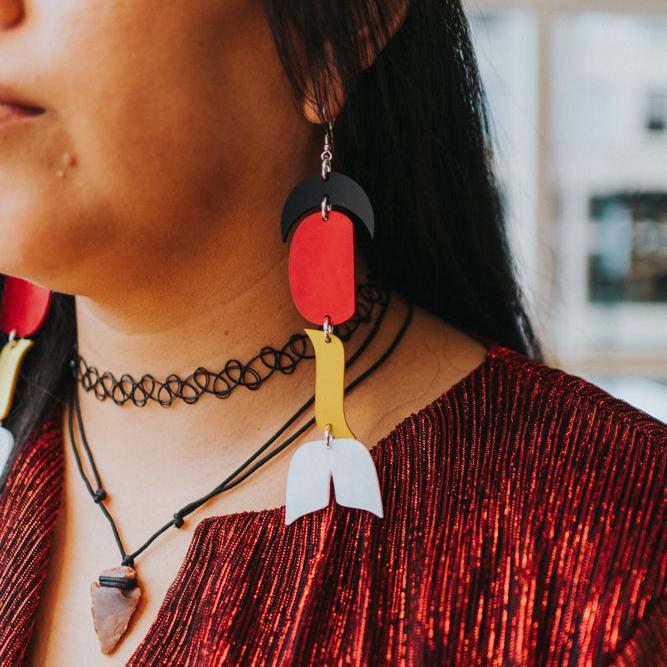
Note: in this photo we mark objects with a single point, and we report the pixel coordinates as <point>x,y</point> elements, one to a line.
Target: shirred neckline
<point>269,516</point>
<point>41,460</point>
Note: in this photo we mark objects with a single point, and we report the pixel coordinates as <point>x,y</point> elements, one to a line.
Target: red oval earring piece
<point>24,306</point>
<point>321,268</point>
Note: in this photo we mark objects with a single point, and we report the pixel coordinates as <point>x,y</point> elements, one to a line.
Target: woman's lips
<point>11,113</point>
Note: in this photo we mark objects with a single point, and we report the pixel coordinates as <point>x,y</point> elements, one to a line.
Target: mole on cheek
<point>67,160</point>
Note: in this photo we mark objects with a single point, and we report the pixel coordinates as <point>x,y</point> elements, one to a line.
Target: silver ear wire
<point>325,207</point>
<point>327,152</point>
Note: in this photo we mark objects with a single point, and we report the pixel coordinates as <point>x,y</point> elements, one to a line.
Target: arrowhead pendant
<point>114,597</point>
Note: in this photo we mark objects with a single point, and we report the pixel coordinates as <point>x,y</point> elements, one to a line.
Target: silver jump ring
<point>328,329</point>
<point>325,207</point>
<point>327,435</point>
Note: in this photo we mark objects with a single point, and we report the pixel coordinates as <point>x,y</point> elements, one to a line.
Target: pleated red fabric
<point>524,525</point>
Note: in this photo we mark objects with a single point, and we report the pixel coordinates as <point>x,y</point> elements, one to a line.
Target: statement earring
<point>325,208</point>
<point>23,310</point>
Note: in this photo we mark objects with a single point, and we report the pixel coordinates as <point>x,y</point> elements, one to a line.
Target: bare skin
<point>183,140</point>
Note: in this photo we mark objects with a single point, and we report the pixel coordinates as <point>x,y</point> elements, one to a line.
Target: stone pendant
<point>115,596</point>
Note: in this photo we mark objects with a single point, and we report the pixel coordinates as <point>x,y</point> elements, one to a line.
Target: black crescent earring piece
<point>329,190</point>
<point>342,193</point>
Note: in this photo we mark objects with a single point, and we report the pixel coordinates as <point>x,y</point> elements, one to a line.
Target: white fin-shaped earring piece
<point>6,445</point>
<point>354,475</point>
<point>343,458</point>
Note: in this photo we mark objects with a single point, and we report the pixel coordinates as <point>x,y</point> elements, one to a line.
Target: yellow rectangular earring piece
<point>11,357</point>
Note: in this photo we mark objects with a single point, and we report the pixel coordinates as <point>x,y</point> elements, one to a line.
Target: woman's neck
<point>184,321</point>
<point>201,315</point>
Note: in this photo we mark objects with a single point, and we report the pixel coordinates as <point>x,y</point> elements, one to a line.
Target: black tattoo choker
<point>234,374</point>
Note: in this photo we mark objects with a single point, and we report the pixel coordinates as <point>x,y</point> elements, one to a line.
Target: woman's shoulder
<point>509,394</point>
<point>544,392</point>
<point>541,462</point>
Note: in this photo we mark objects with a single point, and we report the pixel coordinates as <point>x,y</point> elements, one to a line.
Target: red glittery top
<point>524,524</point>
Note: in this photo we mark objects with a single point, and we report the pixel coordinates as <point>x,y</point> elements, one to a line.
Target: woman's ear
<point>370,51</point>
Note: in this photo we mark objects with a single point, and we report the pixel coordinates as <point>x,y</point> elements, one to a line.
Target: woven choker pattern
<point>234,373</point>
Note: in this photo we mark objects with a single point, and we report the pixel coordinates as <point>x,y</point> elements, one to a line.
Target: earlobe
<point>310,112</point>
<point>333,102</point>
<point>319,117</point>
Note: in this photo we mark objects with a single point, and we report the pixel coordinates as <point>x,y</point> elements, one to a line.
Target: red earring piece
<point>23,310</point>
<point>321,268</point>
<point>24,306</point>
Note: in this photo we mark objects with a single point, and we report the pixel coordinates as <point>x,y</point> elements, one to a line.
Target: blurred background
<point>578,98</point>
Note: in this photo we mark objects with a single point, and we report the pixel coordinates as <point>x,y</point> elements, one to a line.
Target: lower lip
<point>13,114</point>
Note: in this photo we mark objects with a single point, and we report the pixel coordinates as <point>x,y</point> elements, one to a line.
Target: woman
<point>522,508</point>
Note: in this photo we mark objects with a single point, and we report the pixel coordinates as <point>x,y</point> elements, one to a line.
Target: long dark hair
<point>414,133</point>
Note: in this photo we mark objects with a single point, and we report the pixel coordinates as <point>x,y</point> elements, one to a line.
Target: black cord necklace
<point>234,374</point>
<point>99,494</point>
<point>115,594</point>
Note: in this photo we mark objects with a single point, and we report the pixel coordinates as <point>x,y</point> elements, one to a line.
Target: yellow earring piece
<point>329,383</point>
<point>11,358</point>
